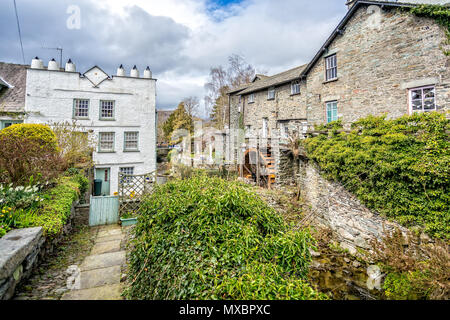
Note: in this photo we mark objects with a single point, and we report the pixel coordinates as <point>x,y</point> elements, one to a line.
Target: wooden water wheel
<point>259,166</point>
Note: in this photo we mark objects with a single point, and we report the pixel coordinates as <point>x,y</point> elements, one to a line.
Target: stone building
<point>12,94</point>
<point>380,59</point>
<point>119,111</point>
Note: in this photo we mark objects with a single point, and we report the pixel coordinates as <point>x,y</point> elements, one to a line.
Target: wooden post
<point>257,165</point>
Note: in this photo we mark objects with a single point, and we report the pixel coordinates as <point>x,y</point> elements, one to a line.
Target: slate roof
<point>277,79</point>
<point>13,99</point>
<point>302,71</point>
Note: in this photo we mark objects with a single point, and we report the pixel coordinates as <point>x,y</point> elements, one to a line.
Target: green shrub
<point>54,211</point>
<point>28,151</point>
<point>405,286</point>
<point>400,168</point>
<point>39,133</point>
<point>206,238</point>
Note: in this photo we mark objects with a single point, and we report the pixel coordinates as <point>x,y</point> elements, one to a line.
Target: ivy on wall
<point>400,167</point>
<point>439,13</point>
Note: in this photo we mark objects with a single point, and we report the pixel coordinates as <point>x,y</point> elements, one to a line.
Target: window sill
<point>251,102</point>
<point>106,119</point>
<point>295,94</point>
<point>132,151</point>
<point>269,99</point>
<point>331,80</point>
<point>79,118</point>
<point>106,152</point>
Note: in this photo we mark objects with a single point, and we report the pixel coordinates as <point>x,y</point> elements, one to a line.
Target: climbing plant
<point>400,167</point>
<point>440,13</point>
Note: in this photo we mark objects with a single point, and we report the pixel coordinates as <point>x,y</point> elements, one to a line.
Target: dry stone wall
<point>332,206</point>
<point>21,251</point>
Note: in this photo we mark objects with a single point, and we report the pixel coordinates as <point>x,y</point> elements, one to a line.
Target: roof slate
<point>13,99</point>
<point>276,79</point>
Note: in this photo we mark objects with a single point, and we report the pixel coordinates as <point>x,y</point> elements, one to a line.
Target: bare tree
<point>221,80</point>
<point>191,105</point>
<point>239,71</point>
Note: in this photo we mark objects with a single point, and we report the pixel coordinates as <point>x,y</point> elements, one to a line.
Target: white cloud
<point>179,39</point>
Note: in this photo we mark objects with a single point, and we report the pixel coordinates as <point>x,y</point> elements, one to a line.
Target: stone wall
<point>21,251</point>
<point>381,54</point>
<point>331,206</point>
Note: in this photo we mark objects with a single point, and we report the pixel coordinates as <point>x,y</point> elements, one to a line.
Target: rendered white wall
<point>50,95</point>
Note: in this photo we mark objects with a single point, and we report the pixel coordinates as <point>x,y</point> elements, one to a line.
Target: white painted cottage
<point>119,110</point>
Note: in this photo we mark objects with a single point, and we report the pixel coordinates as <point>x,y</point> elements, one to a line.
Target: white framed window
<point>107,110</point>
<point>422,99</point>
<point>129,171</point>
<point>331,67</point>
<point>284,130</point>
<point>295,87</point>
<point>271,93</point>
<point>81,108</point>
<point>106,141</point>
<point>265,127</point>
<point>332,111</point>
<point>131,141</point>
<point>251,98</point>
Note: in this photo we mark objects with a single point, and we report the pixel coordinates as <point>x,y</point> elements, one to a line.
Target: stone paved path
<point>101,270</point>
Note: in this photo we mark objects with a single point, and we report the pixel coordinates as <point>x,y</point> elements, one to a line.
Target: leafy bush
<point>400,168</point>
<point>12,218</point>
<point>415,270</point>
<point>52,211</point>
<point>28,150</point>
<point>20,196</point>
<point>75,144</point>
<point>206,238</point>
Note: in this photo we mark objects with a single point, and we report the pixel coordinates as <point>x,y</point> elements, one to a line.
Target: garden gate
<point>103,210</point>
<point>131,190</point>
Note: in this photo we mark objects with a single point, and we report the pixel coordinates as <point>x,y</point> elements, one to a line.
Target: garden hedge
<point>206,238</point>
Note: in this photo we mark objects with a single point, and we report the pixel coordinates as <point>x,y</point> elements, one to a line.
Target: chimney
<point>37,63</point>
<point>147,73</point>
<point>70,66</point>
<point>121,71</point>
<point>134,72</point>
<point>53,65</point>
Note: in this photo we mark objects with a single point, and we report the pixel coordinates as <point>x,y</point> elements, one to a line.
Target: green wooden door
<point>104,174</point>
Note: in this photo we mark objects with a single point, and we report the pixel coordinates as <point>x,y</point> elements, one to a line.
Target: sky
<point>179,39</point>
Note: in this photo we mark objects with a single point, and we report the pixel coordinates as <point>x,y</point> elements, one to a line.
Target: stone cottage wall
<point>332,206</point>
<point>380,55</point>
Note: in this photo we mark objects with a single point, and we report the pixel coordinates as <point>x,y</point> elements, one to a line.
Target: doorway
<point>104,174</point>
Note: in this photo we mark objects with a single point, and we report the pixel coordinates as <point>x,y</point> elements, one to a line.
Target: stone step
<point>103,261</point>
<point>109,232</point>
<point>109,292</point>
<point>99,277</point>
<point>106,247</point>
<point>109,238</point>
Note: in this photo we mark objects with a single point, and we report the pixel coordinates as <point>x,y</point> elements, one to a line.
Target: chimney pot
<point>37,63</point>
<point>121,71</point>
<point>70,66</point>
<point>147,73</point>
<point>134,72</point>
<point>53,65</point>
